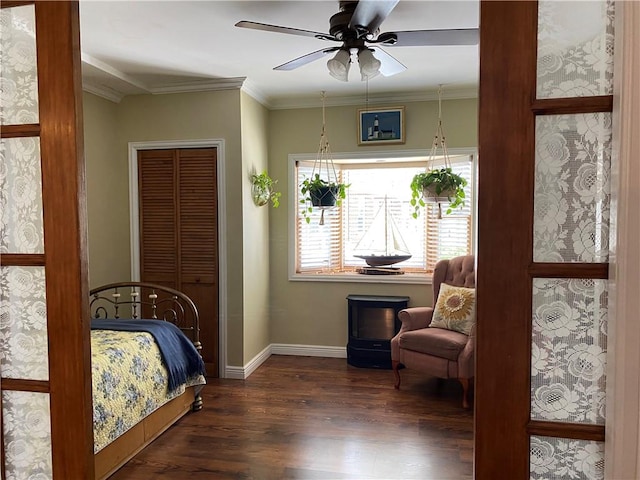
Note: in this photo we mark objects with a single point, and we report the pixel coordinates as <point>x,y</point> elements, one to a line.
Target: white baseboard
<point>234,373</point>
<point>241,373</point>
<point>256,361</point>
<point>308,350</point>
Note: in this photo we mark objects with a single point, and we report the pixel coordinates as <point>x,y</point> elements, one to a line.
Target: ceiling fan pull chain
<point>324,119</point>
<point>366,95</point>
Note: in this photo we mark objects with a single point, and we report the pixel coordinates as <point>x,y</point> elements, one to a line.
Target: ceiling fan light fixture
<point>369,65</point>
<point>339,65</point>
<point>356,25</point>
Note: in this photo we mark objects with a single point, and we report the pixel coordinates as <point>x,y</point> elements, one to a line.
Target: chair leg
<point>396,371</point>
<point>465,392</point>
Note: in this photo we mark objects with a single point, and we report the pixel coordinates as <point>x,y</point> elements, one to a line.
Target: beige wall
<point>187,116</point>
<point>201,115</point>
<point>315,313</point>
<point>107,193</point>
<point>263,306</point>
<point>255,221</point>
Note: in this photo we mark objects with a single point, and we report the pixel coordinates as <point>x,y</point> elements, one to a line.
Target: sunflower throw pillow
<point>455,309</point>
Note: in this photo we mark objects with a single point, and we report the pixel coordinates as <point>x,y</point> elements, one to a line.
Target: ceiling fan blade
<point>371,13</point>
<point>421,38</point>
<point>291,31</point>
<point>388,64</point>
<point>308,58</point>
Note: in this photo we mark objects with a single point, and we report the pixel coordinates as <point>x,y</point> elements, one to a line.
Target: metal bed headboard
<point>143,300</point>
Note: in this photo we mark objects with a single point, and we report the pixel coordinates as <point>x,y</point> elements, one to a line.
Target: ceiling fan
<point>357,27</point>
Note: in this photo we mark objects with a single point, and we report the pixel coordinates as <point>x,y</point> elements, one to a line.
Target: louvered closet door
<point>158,217</point>
<point>179,231</point>
<point>198,241</point>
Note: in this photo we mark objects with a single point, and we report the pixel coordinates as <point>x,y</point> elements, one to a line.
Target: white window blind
<point>451,235</point>
<point>330,248</point>
<point>318,246</point>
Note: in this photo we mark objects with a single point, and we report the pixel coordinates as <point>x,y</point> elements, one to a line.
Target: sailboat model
<point>382,245</point>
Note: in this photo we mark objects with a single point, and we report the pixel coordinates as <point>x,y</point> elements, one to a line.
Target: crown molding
<point>374,99</point>
<point>256,93</point>
<point>283,103</point>
<point>131,86</point>
<point>102,91</point>
<point>124,84</point>
<point>198,86</point>
<point>89,85</point>
<point>112,72</point>
<point>108,82</point>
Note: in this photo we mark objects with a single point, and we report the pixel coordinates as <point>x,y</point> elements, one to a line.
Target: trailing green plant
<point>263,189</point>
<point>443,182</point>
<point>314,189</point>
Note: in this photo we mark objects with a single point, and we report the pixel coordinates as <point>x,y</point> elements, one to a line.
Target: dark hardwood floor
<point>316,418</point>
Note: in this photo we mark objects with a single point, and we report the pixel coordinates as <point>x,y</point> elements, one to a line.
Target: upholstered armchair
<point>440,352</point>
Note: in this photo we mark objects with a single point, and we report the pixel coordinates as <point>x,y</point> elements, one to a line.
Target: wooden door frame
<point>134,216</point>
<point>505,239</point>
<point>622,447</point>
<point>65,258</point>
<point>499,411</point>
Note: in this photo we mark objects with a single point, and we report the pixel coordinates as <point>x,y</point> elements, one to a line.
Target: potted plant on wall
<point>263,190</point>
<point>439,185</point>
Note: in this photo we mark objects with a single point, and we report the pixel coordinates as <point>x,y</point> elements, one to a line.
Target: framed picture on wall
<point>380,125</point>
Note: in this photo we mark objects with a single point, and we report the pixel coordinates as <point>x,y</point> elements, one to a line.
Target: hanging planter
<point>321,193</point>
<point>431,195</point>
<point>324,196</point>
<point>322,190</point>
<point>435,194</point>
<point>438,185</point>
<point>260,197</point>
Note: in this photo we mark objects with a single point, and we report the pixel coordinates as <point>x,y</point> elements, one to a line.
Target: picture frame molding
<point>365,113</point>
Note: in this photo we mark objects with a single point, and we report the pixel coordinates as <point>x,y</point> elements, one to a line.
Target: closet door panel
<point>198,215</point>
<point>198,242</point>
<point>205,296</point>
<point>158,217</point>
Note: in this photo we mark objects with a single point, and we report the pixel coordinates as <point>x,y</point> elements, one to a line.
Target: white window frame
<point>369,156</point>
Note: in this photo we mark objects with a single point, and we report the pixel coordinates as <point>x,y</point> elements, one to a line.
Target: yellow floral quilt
<point>129,382</point>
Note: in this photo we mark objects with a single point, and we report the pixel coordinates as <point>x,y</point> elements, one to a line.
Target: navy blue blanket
<point>178,353</point>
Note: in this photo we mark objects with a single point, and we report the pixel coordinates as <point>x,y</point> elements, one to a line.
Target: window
<point>379,193</point>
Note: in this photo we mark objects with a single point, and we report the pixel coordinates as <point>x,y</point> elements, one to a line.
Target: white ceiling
<point>133,47</point>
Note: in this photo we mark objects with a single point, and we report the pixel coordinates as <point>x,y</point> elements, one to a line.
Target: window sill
<point>407,278</point>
